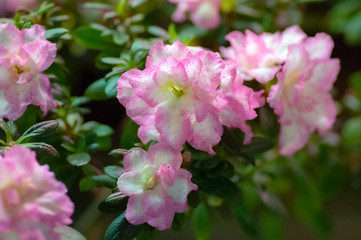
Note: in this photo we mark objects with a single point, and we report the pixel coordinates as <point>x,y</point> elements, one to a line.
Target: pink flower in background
<point>203,13</point>
<point>242,101</point>
<point>301,98</point>
<point>176,98</point>
<point>156,185</point>
<point>32,202</point>
<point>261,56</point>
<point>11,6</point>
<point>24,55</point>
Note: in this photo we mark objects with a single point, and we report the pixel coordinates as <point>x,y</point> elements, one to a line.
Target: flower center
<point>150,183</point>
<point>18,69</point>
<point>177,90</point>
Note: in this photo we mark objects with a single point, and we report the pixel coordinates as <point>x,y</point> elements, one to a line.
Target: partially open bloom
<point>24,55</point>
<point>156,185</point>
<point>203,13</point>
<point>301,98</point>
<point>242,100</point>
<point>176,97</point>
<point>32,202</point>
<point>261,56</point>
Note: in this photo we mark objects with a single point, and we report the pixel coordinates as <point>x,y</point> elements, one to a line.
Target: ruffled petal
<point>130,183</point>
<point>161,153</point>
<point>156,202</point>
<point>206,134</point>
<point>180,189</point>
<point>158,52</point>
<point>135,160</point>
<point>173,128</point>
<point>134,212</point>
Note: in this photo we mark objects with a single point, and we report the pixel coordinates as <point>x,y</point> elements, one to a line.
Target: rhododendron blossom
<point>24,55</point>
<point>203,13</point>
<point>32,202</point>
<point>261,56</point>
<point>242,100</point>
<point>156,185</point>
<point>176,97</point>
<point>301,98</point>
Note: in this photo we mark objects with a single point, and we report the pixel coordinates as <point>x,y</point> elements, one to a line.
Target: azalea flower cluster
<point>24,55</point>
<point>305,74</point>
<point>187,94</point>
<point>33,204</point>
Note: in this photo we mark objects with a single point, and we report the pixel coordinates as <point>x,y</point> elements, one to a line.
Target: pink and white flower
<point>156,185</point>
<point>260,56</point>
<point>301,98</point>
<point>242,101</point>
<point>24,55</point>
<point>203,13</point>
<point>32,202</point>
<point>176,97</point>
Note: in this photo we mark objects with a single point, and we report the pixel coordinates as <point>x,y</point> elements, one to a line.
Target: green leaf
<point>120,228</point>
<point>257,145</point>
<point>353,30</point>
<point>172,32</point>
<point>271,226</point>
<point>201,222</point>
<point>141,44</point>
<point>115,202</point>
<point>45,9</point>
<point>351,135</point>
<point>341,13</point>
<point>351,102</point>
<point>111,88</point>
<point>79,159</point>
<point>158,32</point>
<point>248,220</point>
<point>104,181</point>
<point>129,135</point>
<point>96,90</point>
<point>310,1</point>
<point>121,7</point>
<point>39,129</point>
<point>119,152</point>
<point>216,186</point>
<point>98,129</point>
<point>86,184</point>
<point>90,38</point>
<point>98,6</point>
<point>69,233</point>
<point>113,61</point>
<point>120,37</point>
<point>178,221</point>
<point>42,147</point>
<point>77,101</point>
<point>55,33</point>
<point>105,55</point>
<point>114,171</point>
<point>355,83</point>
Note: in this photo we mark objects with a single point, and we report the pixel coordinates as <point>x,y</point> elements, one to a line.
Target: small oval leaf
<point>78,159</point>
<point>120,228</point>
